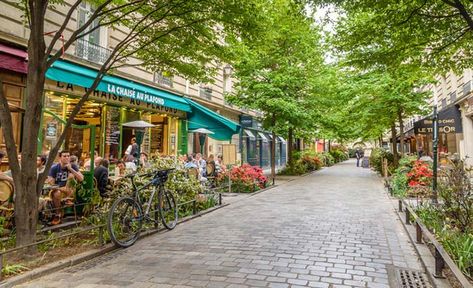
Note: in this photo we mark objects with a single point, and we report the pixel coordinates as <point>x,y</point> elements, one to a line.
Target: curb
<point>89,255</point>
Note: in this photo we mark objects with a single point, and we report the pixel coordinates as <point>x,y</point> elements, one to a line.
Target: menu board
<point>157,138</point>
<point>112,126</point>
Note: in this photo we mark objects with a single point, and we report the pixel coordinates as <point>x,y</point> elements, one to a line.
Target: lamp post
<point>435,140</point>
<point>140,128</point>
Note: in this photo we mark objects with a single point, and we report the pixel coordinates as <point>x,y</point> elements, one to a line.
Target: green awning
<point>202,117</point>
<point>82,76</point>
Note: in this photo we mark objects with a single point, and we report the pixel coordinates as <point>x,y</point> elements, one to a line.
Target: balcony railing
<point>160,79</point>
<point>205,92</point>
<point>91,51</point>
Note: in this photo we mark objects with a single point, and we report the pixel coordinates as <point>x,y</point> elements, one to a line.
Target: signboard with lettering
<point>119,96</point>
<point>51,130</point>
<point>449,122</point>
<point>246,121</point>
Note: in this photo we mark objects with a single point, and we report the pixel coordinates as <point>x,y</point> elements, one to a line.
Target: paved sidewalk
<point>334,228</point>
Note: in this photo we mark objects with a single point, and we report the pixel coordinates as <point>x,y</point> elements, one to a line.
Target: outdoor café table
<point>47,188</point>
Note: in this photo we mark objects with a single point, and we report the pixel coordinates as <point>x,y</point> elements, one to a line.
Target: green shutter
<point>182,145</point>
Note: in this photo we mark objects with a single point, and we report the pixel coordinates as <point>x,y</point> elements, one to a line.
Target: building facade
<point>173,104</point>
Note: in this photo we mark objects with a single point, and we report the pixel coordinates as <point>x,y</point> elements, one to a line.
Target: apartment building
<point>172,103</point>
<point>454,98</point>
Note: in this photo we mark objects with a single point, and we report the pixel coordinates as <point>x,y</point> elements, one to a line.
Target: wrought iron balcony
<point>205,92</point>
<point>91,51</point>
<point>160,79</point>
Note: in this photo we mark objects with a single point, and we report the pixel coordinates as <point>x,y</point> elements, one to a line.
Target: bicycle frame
<point>136,192</point>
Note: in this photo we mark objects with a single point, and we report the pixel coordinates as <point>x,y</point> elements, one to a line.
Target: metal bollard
<point>400,205</point>
<point>418,233</point>
<point>101,241</point>
<point>408,217</point>
<point>194,208</point>
<point>439,264</point>
<point>219,198</point>
<point>1,267</point>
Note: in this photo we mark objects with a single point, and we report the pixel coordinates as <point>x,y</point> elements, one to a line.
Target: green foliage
<point>304,161</point>
<point>14,269</point>
<point>275,68</point>
<point>376,159</point>
<point>456,191</point>
<point>399,180</point>
<point>433,34</point>
<point>338,155</point>
<point>328,159</point>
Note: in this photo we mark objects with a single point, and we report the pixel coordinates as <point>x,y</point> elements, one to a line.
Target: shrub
<point>376,160</point>
<point>399,181</point>
<point>297,168</point>
<point>247,178</point>
<point>338,155</point>
<point>420,174</point>
<point>327,159</point>
<point>311,159</point>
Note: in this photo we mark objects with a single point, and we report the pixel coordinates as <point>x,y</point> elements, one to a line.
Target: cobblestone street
<point>333,228</point>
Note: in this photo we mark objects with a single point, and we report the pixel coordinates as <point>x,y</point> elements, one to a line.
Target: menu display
<point>112,132</point>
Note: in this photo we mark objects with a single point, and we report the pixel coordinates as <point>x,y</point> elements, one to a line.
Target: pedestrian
<point>132,151</point>
<point>358,157</point>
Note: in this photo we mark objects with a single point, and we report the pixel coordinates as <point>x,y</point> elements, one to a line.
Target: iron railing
<point>441,256</point>
<point>205,92</point>
<point>91,51</point>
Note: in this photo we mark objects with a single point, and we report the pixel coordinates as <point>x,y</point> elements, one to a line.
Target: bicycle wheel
<point>167,209</point>
<point>124,221</point>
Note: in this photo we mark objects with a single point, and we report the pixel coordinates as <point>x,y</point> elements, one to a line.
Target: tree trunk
<point>401,131</point>
<point>26,190</point>
<point>394,143</point>
<point>329,145</point>
<point>289,146</point>
<point>273,151</point>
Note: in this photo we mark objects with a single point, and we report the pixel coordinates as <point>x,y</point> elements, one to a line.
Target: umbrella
<point>138,124</point>
<point>202,131</point>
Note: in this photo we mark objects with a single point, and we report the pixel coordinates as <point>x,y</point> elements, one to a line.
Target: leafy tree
<point>273,69</point>
<point>182,37</point>
<point>430,33</point>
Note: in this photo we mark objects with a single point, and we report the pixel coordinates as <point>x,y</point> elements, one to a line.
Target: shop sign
<point>449,122</point>
<point>246,121</point>
<point>119,96</point>
<point>51,130</point>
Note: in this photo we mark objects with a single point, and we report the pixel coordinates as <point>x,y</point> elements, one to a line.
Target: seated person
<point>101,175</point>
<point>190,163</point>
<point>40,162</point>
<point>121,167</point>
<point>59,174</point>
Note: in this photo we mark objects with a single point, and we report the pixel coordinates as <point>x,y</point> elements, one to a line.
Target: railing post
<point>219,198</point>
<point>101,242</point>
<point>408,216</point>
<point>156,215</point>
<point>400,205</point>
<point>418,233</point>
<point>439,264</point>
<point>1,267</point>
<point>194,207</point>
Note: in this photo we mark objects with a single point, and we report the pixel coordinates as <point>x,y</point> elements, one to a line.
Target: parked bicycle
<point>126,216</point>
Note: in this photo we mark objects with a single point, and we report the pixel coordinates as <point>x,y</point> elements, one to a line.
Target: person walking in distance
<point>358,157</point>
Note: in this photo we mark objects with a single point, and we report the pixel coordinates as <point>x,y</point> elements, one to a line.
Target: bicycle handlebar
<point>132,175</point>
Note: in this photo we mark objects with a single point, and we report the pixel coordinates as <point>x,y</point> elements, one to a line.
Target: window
<point>89,47</point>
<point>466,88</point>
<point>453,97</point>
<point>205,92</point>
<point>444,103</point>
<point>163,78</point>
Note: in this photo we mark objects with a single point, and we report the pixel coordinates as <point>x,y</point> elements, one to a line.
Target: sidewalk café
<point>97,127</point>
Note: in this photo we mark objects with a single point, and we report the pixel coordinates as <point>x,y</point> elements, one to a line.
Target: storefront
<point>450,133</point>
<point>256,145</point>
<point>211,133</point>
<point>13,70</point>
<point>116,100</point>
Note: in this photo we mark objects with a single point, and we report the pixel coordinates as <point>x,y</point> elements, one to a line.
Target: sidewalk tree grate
<point>407,278</point>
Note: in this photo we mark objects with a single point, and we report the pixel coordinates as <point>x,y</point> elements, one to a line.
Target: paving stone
<point>315,231</point>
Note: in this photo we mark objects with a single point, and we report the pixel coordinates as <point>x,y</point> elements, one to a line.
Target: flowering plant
<point>311,162</point>
<point>420,174</point>
<point>248,178</point>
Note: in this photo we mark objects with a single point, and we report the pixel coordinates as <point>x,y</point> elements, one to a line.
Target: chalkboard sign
<point>112,126</point>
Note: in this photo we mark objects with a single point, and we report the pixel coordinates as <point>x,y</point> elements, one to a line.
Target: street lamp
<point>435,140</point>
<point>139,127</point>
<point>227,70</point>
